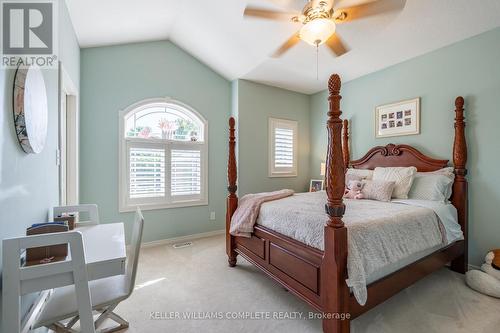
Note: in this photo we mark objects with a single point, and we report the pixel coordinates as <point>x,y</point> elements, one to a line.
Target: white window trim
<point>284,123</point>
<point>68,88</point>
<point>123,183</point>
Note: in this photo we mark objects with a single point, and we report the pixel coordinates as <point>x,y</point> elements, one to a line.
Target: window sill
<point>282,175</point>
<point>181,204</point>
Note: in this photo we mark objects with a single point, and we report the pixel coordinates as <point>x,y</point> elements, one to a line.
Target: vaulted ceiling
<point>216,33</point>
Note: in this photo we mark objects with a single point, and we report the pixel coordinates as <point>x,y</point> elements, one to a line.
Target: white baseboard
<point>474,267</point>
<point>469,267</point>
<point>183,238</point>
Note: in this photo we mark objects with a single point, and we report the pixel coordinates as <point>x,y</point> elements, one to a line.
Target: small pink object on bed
<point>246,214</point>
<point>354,190</point>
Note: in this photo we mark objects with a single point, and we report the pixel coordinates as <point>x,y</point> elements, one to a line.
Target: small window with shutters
<point>283,144</point>
<point>163,156</point>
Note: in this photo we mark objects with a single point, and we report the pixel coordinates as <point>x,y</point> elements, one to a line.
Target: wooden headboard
<point>398,156</point>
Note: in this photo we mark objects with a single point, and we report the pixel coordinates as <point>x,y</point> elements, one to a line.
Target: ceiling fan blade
<point>284,3</point>
<point>291,42</point>
<point>348,14</point>
<point>269,14</point>
<point>336,45</point>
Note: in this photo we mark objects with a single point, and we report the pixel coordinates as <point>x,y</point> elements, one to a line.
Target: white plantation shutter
<point>146,172</point>
<point>283,145</point>
<point>185,172</point>
<point>164,174</point>
<point>283,148</point>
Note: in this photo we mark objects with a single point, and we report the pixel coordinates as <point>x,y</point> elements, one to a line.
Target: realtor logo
<point>28,33</point>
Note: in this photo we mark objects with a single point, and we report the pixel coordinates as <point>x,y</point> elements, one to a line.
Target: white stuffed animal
<point>487,280</point>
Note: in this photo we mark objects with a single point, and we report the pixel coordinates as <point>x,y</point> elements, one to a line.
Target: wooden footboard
<point>294,265</point>
<point>318,277</point>
<point>297,267</point>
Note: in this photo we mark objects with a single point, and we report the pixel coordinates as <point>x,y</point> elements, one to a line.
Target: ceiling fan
<point>319,19</point>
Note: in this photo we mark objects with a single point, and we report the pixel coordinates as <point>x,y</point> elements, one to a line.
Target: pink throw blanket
<point>246,214</point>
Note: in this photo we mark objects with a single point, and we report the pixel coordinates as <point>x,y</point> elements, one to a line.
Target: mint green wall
<point>115,77</point>
<point>255,104</point>
<point>29,183</point>
<point>469,68</point>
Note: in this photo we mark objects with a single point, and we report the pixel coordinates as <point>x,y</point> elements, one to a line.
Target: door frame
<point>68,88</point>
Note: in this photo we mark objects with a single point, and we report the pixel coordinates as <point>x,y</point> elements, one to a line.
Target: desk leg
<point>11,288</point>
<point>83,299</point>
<point>81,281</point>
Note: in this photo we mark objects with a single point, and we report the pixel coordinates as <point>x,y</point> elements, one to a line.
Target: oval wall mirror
<point>30,109</point>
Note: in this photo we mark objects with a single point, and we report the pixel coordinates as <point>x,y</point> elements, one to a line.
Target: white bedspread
<point>380,234</point>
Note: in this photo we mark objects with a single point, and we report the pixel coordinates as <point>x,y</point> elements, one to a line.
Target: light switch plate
<point>212,216</point>
<point>58,157</point>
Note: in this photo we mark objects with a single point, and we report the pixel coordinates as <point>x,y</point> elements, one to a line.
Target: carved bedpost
<point>459,198</point>
<point>334,291</point>
<point>232,199</point>
<point>345,143</point>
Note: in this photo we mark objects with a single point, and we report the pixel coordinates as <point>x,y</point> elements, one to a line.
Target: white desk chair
<point>106,293</point>
<point>91,209</point>
<point>17,279</point>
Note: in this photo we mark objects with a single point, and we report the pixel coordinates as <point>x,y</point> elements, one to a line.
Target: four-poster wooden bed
<point>319,277</point>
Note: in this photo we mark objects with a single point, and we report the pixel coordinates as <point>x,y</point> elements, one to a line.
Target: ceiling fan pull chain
<point>317,62</point>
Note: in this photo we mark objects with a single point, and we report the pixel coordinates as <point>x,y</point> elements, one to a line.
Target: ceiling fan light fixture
<point>317,32</point>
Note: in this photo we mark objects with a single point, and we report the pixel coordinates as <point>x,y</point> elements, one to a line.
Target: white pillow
<point>402,176</point>
<point>360,173</point>
<point>448,172</point>
<point>431,186</point>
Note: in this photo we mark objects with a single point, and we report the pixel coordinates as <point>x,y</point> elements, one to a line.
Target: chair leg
<point>104,315</point>
<point>115,328</point>
<point>118,319</point>
<point>72,322</point>
<point>108,313</point>
<point>60,328</point>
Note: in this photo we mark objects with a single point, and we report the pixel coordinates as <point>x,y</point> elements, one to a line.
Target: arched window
<point>163,155</point>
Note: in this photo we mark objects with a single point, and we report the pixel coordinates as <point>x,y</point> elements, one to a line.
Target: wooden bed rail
<point>232,198</point>
<point>334,290</point>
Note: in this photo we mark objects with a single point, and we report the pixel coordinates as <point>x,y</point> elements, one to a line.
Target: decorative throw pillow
<point>402,176</point>
<point>435,186</point>
<point>380,190</point>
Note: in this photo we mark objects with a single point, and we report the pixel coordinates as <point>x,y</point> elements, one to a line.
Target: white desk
<point>105,256</point>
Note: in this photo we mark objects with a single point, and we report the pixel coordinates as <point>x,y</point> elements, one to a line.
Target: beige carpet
<point>197,279</point>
